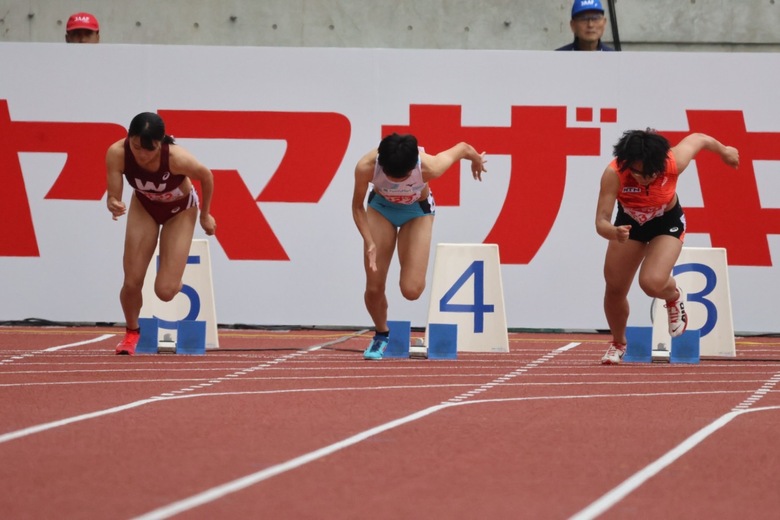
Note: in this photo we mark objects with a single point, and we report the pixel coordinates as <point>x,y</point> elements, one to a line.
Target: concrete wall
<point>664,25</point>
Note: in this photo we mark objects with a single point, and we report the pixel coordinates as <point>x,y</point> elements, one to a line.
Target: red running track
<point>295,425</point>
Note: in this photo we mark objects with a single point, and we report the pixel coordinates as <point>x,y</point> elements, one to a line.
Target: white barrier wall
<point>283,128</point>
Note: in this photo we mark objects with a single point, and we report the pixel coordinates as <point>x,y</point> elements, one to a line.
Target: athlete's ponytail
<point>149,127</point>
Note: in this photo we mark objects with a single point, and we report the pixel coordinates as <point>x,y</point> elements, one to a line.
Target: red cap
<point>82,21</point>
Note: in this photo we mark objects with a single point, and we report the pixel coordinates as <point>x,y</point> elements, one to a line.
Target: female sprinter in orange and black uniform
<point>649,226</point>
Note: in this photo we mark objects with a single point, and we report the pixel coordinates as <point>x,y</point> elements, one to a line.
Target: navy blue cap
<point>580,6</point>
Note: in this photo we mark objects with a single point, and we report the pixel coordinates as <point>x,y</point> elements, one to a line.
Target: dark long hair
<point>149,127</point>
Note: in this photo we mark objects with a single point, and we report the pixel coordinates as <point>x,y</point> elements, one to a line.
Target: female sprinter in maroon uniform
<point>164,206</point>
<point>649,226</point>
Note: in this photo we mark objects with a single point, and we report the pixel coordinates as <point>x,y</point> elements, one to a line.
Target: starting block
<point>685,348</point>
<point>443,341</point>
<point>148,341</point>
<point>190,338</point>
<point>400,337</point>
<point>639,345</point>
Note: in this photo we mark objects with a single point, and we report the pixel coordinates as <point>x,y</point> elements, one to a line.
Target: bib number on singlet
<point>401,199</point>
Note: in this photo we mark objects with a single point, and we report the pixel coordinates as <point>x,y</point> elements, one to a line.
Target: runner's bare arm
<point>435,165</point>
<point>687,149</point>
<point>364,172</point>
<point>114,181</point>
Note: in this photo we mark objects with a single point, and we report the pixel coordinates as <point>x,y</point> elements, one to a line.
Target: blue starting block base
<point>190,337</point>
<point>443,341</point>
<point>147,342</point>
<point>400,337</point>
<point>685,348</point>
<point>639,348</point>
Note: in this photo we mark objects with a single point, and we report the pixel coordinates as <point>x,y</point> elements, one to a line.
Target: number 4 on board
<point>478,307</point>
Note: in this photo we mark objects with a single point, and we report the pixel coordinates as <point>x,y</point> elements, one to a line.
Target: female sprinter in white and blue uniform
<point>400,212</point>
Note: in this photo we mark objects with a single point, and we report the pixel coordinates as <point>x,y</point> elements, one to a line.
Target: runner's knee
<point>653,284</point>
<point>166,291</point>
<point>412,290</point>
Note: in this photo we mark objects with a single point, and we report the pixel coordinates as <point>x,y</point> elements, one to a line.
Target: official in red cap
<point>82,28</point>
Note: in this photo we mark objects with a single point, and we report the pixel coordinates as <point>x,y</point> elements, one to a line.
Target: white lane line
<point>506,377</point>
<point>70,420</point>
<point>244,371</point>
<point>55,349</point>
<point>620,492</point>
<point>637,479</point>
<point>567,347</point>
<point>592,511</point>
<point>167,396</point>
<point>79,343</point>
<point>100,413</point>
<point>220,491</point>
<point>768,387</point>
